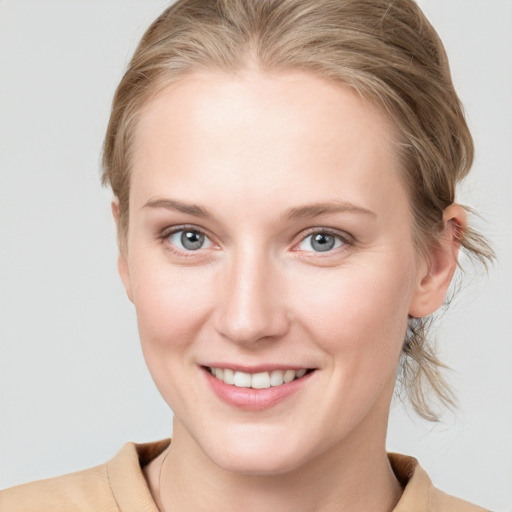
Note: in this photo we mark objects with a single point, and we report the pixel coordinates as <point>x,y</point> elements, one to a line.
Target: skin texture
<point>250,149</point>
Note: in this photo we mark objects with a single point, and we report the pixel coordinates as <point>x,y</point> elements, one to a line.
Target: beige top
<point>119,485</point>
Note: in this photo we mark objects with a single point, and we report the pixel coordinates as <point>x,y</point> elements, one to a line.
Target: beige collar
<point>132,494</point>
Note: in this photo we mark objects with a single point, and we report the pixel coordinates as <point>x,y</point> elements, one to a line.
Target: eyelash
<point>345,239</point>
<point>163,237</point>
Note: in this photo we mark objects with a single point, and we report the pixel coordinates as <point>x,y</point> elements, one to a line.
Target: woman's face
<point>269,234</point>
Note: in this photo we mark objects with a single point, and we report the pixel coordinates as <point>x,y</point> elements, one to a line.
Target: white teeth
<point>276,378</point>
<point>243,380</point>
<point>229,376</point>
<point>261,380</point>
<point>289,375</point>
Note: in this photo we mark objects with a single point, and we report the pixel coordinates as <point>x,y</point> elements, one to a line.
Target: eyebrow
<point>172,204</point>
<point>317,209</point>
<point>298,212</point>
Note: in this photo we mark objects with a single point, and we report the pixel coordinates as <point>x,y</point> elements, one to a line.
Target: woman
<point>284,178</point>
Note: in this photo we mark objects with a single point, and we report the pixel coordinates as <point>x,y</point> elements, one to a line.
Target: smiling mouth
<point>260,380</point>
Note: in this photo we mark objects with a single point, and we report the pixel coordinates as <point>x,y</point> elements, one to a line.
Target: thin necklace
<point>160,480</point>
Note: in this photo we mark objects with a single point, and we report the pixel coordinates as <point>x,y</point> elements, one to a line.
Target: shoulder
<point>442,502</point>
<point>116,485</point>
<point>419,494</point>
<point>83,491</point>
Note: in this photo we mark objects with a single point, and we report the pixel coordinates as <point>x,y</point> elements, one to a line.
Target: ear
<point>122,261</point>
<point>436,275</point>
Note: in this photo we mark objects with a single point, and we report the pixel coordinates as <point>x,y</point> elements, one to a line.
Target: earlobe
<point>124,273</point>
<point>122,262</point>
<point>114,206</point>
<point>435,276</point>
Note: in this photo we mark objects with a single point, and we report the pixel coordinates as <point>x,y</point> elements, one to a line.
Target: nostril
<point>249,326</point>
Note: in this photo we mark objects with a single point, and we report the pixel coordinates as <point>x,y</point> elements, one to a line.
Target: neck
<point>354,476</point>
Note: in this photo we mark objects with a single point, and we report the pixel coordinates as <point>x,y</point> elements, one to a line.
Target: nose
<point>251,303</point>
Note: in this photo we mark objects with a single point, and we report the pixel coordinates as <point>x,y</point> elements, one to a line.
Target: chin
<point>262,455</point>
<point>243,464</point>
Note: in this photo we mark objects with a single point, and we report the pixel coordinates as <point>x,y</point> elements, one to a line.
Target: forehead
<point>261,131</point>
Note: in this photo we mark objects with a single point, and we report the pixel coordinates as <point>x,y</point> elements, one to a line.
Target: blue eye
<point>189,240</point>
<point>321,241</point>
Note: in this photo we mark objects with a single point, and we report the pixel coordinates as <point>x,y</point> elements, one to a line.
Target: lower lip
<point>251,399</point>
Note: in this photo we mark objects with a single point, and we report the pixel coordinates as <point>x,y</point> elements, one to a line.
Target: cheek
<point>171,304</point>
<point>358,310</point>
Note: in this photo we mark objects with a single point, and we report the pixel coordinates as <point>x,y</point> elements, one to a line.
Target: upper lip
<point>256,368</point>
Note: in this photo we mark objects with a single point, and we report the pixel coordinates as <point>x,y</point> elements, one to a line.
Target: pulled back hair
<point>385,50</point>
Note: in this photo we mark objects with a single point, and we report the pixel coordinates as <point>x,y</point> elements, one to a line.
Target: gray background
<point>73,385</point>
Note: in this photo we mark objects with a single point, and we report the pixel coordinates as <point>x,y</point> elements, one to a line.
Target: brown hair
<point>386,50</point>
